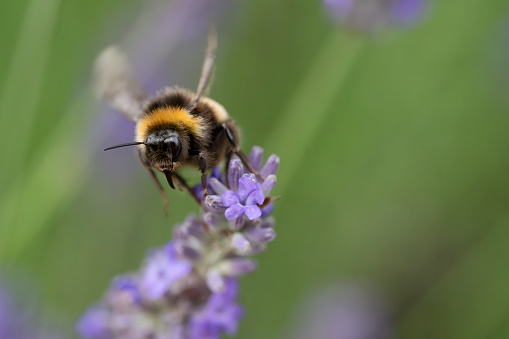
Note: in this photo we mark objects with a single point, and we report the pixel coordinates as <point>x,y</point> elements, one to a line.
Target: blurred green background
<point>394,156</point>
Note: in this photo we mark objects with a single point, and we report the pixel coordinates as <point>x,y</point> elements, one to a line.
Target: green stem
<point>24,82</point>
<point>60,173</point>
<point>311,103</point>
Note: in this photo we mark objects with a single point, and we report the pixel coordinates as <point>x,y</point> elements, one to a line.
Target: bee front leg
<point>202,167</point>
<point>229,127</point>
<point>155,180</point>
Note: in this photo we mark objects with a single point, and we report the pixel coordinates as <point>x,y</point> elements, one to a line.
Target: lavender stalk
<point>188,288</point>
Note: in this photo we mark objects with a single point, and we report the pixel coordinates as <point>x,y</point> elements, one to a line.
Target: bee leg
<point>156,182</point>
<point>179,183</point>
<point>183,182</point>
<point>247,163</point>
<point>238,151</point>
<point>227,159</point>
<point>202,167</point>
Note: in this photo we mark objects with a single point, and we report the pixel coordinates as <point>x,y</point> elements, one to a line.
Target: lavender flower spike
<point>188,288</point>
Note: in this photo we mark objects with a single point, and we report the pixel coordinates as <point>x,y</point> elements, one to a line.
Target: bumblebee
<point>176,127</point>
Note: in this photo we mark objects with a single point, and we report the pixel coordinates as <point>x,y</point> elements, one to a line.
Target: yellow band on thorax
<point>176,117</point>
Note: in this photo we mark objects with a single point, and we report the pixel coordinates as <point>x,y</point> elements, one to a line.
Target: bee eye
<point>173,143</point>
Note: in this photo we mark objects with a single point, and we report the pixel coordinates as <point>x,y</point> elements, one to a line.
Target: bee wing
<point>208,65</point>
<point>114,82</point>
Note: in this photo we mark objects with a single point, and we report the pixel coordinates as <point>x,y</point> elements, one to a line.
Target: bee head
<point>164,148</point>
<point>165,142</point>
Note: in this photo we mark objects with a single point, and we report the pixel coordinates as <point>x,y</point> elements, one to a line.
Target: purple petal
<point>203,329</point>
<point>268,184</point>
<point>255,196</point>
<point>236,267</point>
<point>220,314</point>
<point>407,11</point>
<point>214,203</point>
<point>191,227</point>
<point>215,281</point>
<point>198,190</point>
<point>230,319</point>
<point>260,235</point>
<point>234,211</point>
<point>179,270</point>
<point>255,157</point>
<point>235,170</point>
<point>94,324</point>
<point>188,252</point>
<point>216,173</point>
<point>269,222</point>
<point>270,166</point>
<point>253,212</point>
<point>177,332</point>
<point>124,292</point>
<point>267,210</point>
<point>212,220</point>
<point>237,223</point>
<point>231,290</point>
<point>171,250</point>
<point>339,9</point>
<point>246,185</point>
<point>161,271</point>
<point>230,198</point>
<point>240,243</point>
<point>153,282</point>
<point>217,186</point>
<point>257,248</point>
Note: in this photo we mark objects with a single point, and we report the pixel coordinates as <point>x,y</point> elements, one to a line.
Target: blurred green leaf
<point>470,300</point>
<point>24,81</point>
<point>307,110</point>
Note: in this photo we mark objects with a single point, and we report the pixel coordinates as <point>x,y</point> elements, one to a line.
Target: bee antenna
<point>128,144</point>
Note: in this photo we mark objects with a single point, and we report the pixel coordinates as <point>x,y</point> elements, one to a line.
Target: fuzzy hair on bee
<point>176,127</point>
